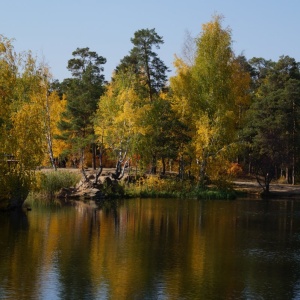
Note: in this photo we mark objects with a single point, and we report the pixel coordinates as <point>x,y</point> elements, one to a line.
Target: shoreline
<point>277,190</point>
<point>248,186</point>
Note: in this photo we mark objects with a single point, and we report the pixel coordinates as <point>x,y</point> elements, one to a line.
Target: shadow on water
<point>14,220</point>
<point>14,226</point>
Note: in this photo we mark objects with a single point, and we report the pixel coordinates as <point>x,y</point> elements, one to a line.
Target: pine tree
<point>82,91</point>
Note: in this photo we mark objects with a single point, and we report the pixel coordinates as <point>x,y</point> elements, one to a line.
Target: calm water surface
<point>153,249</point>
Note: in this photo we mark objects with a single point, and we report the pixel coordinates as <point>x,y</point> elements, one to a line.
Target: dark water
<point>153,249</point>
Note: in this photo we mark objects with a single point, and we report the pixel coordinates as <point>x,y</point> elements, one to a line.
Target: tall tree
<point>273,126</point>
<point>266,136</point>
<point>209,95</point>
<point>144,61</point>
<point>292,95</point>
<point>165,134</point>
<point>119,118</point>
<point>82,91</point>
<point>22,122</point>
<point>146,73</point>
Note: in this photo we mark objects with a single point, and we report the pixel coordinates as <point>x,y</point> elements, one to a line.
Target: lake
<point>153,249</point>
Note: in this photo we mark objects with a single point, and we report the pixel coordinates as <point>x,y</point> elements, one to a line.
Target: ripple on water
<point>272,255</point>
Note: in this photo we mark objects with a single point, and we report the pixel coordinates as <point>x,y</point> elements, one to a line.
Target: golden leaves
<point>28,135</point>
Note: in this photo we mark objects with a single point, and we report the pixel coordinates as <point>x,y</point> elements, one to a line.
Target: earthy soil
<point>281,190</point>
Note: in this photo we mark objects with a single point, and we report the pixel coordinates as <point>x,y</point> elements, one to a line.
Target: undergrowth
<point>155,187</point>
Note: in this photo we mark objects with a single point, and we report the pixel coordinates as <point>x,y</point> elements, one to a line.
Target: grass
<point>49,183</point>
<point>214,194</point>
<point>154,187</point>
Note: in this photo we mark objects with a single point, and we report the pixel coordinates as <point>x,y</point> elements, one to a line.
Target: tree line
<point>220,114</point>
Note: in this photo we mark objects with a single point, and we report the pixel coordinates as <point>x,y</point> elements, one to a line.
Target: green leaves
<point>272,120</point>
<point>83,92</point>
<point>144,62</point>
<point>209,95</point>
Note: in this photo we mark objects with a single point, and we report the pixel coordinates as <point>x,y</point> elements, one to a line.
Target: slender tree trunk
<point>249,168</point>
<point>294,143</point>
<point>119,173</point>
<point>49,143</point>
<point>293,170</point>
<point>48,132</point>
<point>82,159</point>
<point>265,184</point>
<point>94,156</point>
<point>170,165</point>
<point>153,166</point>
<point>100,166</point>
<point>164,165</point>
<point>202,175</point>
<point>149,79</point>
<point>181,168</point>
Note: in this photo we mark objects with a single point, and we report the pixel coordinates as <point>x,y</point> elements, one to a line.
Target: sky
<point>52,30</point>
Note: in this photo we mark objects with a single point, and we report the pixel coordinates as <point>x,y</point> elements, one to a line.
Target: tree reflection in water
<point>152,248</point>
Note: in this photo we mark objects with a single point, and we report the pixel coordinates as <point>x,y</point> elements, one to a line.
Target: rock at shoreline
<point>87,189</point>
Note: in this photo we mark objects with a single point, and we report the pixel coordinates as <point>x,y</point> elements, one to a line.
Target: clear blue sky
<point>54,29</point>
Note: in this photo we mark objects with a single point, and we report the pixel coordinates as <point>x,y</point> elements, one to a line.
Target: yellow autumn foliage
<point>210,96</point>
<point>29,140</point>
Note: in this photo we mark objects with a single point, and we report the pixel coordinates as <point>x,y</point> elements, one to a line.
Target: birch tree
<point>208,95</point>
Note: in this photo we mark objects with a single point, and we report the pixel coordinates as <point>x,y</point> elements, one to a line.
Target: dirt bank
<point>276,189</point>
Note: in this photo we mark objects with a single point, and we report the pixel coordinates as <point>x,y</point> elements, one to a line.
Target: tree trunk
<point>49,133</point>
<point>163,165</point>
<point>293,171</point>
<point>94,156</point>
<point>100,166</point>
<point>119,173</point>
<point>149,80</point>
<point>181,168</point>
<point>153,166</point>
<point>265,183</point>
<point>202,175</point>
<point>294,142</point>
<point>82,158</point>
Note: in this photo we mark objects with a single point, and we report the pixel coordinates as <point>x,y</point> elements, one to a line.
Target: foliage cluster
<point>153,185</point>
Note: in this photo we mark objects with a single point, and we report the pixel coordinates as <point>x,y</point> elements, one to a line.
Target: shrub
<point>213,194</point>
<point>15,186</point>
<point>153,186</point>
<point>235,170</point>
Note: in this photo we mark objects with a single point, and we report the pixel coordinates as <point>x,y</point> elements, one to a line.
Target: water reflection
<point>153,249</point>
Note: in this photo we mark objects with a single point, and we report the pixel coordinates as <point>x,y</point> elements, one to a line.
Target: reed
<point>49,183</point>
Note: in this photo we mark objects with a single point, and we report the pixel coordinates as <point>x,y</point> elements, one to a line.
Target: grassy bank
<point>48,184</point>
<point>155,187</point>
